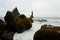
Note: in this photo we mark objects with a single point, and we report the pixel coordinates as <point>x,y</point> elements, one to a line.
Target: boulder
<point>47,33</point>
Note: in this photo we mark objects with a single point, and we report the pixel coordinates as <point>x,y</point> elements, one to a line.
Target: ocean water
<point>28,34</point>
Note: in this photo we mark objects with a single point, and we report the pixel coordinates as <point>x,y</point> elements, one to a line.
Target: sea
<point>36,25</point>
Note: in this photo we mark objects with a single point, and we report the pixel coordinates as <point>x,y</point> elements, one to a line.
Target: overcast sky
<point>40,8</point>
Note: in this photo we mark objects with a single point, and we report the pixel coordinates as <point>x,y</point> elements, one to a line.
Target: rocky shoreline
<point>14,22</point>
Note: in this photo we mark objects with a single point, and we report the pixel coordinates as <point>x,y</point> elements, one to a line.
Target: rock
<point>20,29</point>
<point>25,22</point>
<point>15,11</point>
<point>32,15</point>
<point>31,20</point>
<point>3,34</point>
<point>9,17</point>
<point>7,36</point>
<point>16,22</point>
<point>2,22</point>
<point>47,34</point>
<point>45,26</point>
<point>11,27</point>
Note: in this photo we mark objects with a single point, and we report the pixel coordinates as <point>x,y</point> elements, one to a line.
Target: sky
<point>40,8</point>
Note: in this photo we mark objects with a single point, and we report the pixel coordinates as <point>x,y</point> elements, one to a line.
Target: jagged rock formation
<point>15,11</point>
<point>15,21</point>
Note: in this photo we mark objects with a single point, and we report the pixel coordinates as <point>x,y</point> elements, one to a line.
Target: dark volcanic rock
<point>9,17</point>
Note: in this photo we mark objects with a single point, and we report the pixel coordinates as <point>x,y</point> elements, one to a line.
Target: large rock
<point>9,17</point>
<point>16,22</point>
<point>47,34</point>
<point>24,21</point>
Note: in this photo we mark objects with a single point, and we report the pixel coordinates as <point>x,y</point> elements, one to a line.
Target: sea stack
<point>31,15</point>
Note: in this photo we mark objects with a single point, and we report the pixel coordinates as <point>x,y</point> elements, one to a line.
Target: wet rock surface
<point>47,33</point>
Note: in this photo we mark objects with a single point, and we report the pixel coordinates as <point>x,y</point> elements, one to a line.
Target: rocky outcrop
<point>17,22</point>
<point>14,22</point>
<point>32,15</point>
<point>47,33</point>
